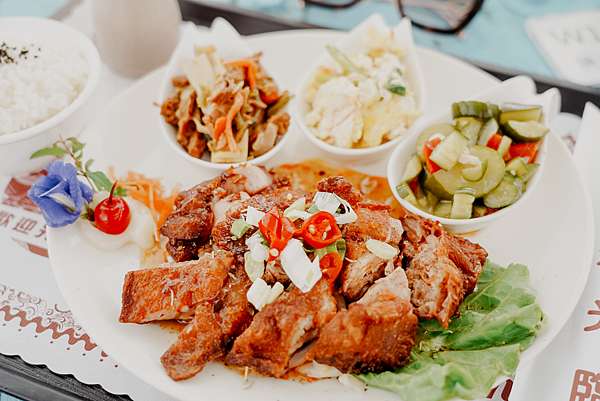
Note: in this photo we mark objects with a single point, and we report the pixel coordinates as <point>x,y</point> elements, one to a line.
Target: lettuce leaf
<point>448,374</point>
<point>496,322</point>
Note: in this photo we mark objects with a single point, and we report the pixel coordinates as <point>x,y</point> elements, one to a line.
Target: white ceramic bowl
<point>414,75</point>
<point>16,147</point>
<point>519,90</point>
<point>229,45</point>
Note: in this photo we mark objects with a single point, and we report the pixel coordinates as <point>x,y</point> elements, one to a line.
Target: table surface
<point>496,32</point>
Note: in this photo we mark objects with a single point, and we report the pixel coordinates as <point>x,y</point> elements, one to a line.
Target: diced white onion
<point>326,202</point>
<point>253,216</point>
<point>260,293</point>
<point>330,202</point>
<point>275,292</point>
<point>318,371</point>
<point>298,267</point>
<point>352,382</point>
<point>258,250</point>
<point>254,268</point>
<point>296,209</point>
<point>381,249</point>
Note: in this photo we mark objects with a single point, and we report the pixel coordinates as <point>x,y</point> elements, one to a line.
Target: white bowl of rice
<point>48,74</point>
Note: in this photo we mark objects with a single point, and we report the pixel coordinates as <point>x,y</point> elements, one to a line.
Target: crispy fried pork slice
<point>363,267</point>
<point>190,225</point>
<point>221,233</point>
<point>173,291</point>
<point>281,328</point>
<point>444,270</point>
<point>416,230</point>
<point>212,331</point>
<point>342,188</point>
<point>374,334</point>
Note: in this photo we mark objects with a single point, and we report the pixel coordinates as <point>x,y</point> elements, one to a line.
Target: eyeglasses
<point>441,16</point>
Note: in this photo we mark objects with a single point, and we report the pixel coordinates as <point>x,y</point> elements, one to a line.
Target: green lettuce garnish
<point>496,322</point>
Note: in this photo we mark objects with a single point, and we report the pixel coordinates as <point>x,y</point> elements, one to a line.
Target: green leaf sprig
<point>73,148</point>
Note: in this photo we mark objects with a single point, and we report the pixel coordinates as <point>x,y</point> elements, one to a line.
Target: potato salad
<point>362,99</point>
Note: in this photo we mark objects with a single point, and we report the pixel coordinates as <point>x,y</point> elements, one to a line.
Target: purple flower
<point>60,195</point>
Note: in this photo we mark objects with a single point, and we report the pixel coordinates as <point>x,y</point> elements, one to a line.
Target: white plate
<point>552,232</point>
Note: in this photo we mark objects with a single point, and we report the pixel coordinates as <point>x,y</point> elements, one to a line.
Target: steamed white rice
<point>37,82</point>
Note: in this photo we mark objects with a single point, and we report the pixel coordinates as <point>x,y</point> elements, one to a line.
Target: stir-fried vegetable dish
<point>231,109</point>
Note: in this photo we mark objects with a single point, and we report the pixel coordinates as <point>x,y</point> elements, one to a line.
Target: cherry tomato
<point>112,215</point>
<point>331,266</point>
<point>320,230</point>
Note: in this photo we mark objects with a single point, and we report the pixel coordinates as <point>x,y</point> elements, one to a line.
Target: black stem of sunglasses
<point>466,20</point>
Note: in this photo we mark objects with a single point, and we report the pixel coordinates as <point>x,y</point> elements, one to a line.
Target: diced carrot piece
<point>249,67</point>
<point>269,97</point>
<point>414,185</point>
<point>430,145</point>
<point>526,149</point>
<point>494,141</point>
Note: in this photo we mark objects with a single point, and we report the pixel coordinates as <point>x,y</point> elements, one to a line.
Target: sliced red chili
<point>430,145</point>
<point>331,266</point>
<point>320,230</point>
<point>277,230</point>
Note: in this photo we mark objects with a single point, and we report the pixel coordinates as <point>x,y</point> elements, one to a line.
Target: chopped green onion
<point>396,89</point>
<point>239,228</point>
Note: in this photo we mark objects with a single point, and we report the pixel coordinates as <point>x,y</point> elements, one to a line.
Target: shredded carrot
<point>238,102</point>
<point>219,127</point>
<point>249,67</point>
<point>151,193</point>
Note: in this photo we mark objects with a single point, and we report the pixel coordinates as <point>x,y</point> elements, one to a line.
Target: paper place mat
<point>570,43</point>
<point>35,322</point>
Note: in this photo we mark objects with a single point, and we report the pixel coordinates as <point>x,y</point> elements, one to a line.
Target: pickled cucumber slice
<point>442,129</point>
<point>489,128</point>
<point>469,127</point>
<point>531,170</point>
<point>443,209</point>
<point>517,167</point>
<point>446,154</point>
<point>504,145</point>
<point>520,112</point>
<point>406,193</point>
<point>462,206</point>
<point>474,173</point>
<point>413,168</point>
<point>444,184</point>
<point>505,194</point>
<point>525,131</point>
<point>477,109</point>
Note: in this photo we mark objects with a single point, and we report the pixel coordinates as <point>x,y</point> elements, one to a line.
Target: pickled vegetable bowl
<point>476,165</point>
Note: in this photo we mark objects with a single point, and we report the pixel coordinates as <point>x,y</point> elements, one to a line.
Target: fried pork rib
<point>281,328</point>
<point>363,267</point>
<point>443,271</point>
<point>375,333</point>
<point>429,278</point>
<point>189,226</point>
<point>212,330</point>
<point>173,291</point>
